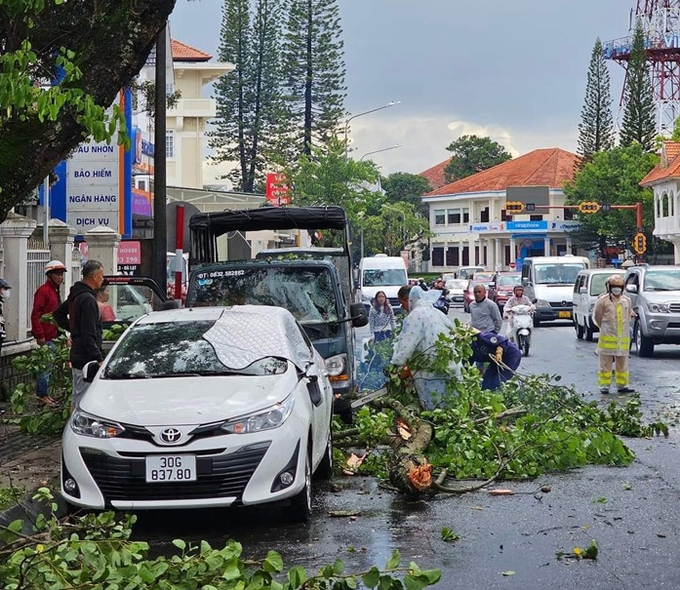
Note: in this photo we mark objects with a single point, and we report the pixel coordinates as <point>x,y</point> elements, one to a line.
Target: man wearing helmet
<point>46,299</point>
<point>612,314</point>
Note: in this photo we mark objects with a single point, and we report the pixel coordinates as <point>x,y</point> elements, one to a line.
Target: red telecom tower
<point>661,22</point>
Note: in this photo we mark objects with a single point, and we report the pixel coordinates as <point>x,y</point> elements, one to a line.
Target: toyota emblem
<point>170,435</point>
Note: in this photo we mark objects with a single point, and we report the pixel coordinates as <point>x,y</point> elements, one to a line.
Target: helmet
<point>53,265</point>
<point>615,281</point>
<point>517,287</point>
<point>4,284</point>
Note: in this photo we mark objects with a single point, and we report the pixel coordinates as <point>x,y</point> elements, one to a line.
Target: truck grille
<point>220,476</point>
<point>675,307</point>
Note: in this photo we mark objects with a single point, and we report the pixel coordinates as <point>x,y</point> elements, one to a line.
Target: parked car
<point>483,277</point>
<point>456,291</point>
<point>502,285</point>
<point>589,285</point>
<point>202,407</point>
<point>468,295</point>
<point>655,294</point>
<point>467,272</point>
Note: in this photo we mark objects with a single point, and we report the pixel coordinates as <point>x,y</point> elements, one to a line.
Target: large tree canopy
<point>472,154</point>
<point>93,49</point>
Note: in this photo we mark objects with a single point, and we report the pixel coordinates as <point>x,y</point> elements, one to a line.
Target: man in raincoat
<point>419,334</point>
<point>612,314</point>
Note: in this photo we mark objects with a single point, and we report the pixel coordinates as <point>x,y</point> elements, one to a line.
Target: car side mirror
<point>90,371</point>
<point>357,312</point>
<point>631,288</point>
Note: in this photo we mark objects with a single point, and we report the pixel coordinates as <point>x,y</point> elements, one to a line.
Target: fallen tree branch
<point>509,413</point>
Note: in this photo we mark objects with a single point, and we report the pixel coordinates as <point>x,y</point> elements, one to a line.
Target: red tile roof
<point>435,175</point>
<point>545,167</point>
<point>668,167</point>
<point>183,52</point>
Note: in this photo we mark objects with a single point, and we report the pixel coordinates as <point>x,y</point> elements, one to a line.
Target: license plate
<point>563,314</point>
<point>167,468</point>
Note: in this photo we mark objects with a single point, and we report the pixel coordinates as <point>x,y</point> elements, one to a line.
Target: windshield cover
<point>175,349</point>
<point>558,273</point>
<point>384,277</point>
<point>306,292</point>
<point>662,280</point>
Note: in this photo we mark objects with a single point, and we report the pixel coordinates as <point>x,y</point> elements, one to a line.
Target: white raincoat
<point>420,332</point>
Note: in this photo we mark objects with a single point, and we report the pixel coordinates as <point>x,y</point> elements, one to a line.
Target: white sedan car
<point>202,407</point>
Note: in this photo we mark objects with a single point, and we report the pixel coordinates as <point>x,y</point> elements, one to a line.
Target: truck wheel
<point>579,329</point>
<point>589,331</point>
<point>644,345</point>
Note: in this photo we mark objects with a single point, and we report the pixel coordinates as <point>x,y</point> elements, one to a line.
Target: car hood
<point>661,296</point>
<point>185,400</point>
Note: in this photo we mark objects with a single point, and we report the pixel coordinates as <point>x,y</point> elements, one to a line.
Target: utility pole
<point>159,250</point>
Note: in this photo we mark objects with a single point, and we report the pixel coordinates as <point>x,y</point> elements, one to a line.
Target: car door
<point>578,297</point>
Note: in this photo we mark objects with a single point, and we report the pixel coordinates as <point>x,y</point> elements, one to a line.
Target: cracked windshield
<point>307,293</point>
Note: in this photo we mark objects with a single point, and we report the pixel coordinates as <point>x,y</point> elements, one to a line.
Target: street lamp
<point>392,147</point>
<point>403,233</point>
<point>389,104</point>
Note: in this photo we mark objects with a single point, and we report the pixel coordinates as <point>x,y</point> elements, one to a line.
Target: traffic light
<point>514,207</point>
<point>530,207</point>
<point>640,243</point>
<point>588,207</point>
<point>606,207</point>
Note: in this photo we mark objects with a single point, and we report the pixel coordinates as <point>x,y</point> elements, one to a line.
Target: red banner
<point>277,191</point>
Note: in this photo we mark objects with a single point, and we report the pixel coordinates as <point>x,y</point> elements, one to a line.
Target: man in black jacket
<point>79,314</point>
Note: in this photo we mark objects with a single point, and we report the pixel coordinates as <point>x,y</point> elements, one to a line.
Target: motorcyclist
<point>518,298</point>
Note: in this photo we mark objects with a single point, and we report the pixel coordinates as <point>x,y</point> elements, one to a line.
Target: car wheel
<point>325,468</point>
<point>579,329</point>
<point>301,504</point>
<point>644,345</point>
<point>537,322</point>
<point>589,331</point>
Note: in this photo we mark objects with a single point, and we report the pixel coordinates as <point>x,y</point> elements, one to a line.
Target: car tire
<point>325,468</point>
<point>589,331</point>
<point>537,322</point>
<point>579,329</point>
<point>643,345</point>
<point>301,504</point>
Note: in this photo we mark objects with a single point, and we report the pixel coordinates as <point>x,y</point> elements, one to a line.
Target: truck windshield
<point>384,277</point>
<point>306,292</point>
<point>558,273</point>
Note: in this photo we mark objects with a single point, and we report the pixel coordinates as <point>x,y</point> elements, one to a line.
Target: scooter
<point>522,322</point>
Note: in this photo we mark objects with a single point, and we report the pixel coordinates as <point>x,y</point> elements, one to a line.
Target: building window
<point>535,217</point>
<point>439,217</point>
<point>169,144</point>
<point>438,256</point>
<point>508,260</point>
<point>453,216</point>
<point>466,256</point>
<point>568,214</point>
<point>484,217</point>
<point>466,215</point>
<point>141,185</point>
<point>452,256</point>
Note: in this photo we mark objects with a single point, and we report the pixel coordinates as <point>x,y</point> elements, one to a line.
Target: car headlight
<point>542,303</point>
<point>659,307</point>
<point>265,420</point>
<point>89,425</point>
<point>336,365</point>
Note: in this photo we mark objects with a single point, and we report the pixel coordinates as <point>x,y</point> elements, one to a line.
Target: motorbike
<point>522,323</point>
<point>442,303</point>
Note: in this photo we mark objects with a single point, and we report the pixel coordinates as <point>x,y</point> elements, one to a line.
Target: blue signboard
<point>527,225</point>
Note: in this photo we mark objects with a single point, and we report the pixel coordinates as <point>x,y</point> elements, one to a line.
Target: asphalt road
<point>632,513</point>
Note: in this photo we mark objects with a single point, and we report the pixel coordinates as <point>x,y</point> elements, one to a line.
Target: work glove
<point>499,354</point>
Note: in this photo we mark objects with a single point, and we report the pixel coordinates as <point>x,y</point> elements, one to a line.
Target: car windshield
<point>456,284</point>
<point>597,283</point>
<point>306,292</point>
<point>384,277</point>
<point>126,303</point>
<point>558,273</point>
<point>662,280</point>
<point>176,349</point>
<point>508,280</point>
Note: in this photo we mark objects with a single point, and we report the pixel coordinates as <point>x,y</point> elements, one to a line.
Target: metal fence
<point>38,257</point>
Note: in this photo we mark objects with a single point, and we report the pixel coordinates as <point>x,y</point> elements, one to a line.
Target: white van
<point>590,284</point>
<point>382,273</point>
<point>549,282</point>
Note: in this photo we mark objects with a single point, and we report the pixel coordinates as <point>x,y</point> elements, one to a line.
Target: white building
<point>470,223</point>
<point>664,180</point>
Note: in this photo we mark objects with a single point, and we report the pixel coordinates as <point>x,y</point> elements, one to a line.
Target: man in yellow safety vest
<point>612,314</point>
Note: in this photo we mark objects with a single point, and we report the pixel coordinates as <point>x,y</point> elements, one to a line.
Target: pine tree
<point>250,107</point>
<point>639,121</point>
<point>314,70</point>
<point>596,130</point>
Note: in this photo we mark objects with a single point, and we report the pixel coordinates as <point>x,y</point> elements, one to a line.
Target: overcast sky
<point>514,70</point>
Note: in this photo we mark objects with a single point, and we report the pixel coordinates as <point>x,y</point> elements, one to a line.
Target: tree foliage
<point>596,130</point>
<point>472,154</point>
<point>92,50</point>
<point>408,188</point>
<point>314,71</point>
<point>250,108</point>
<point>613,177</point>
<point>639,121</point>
